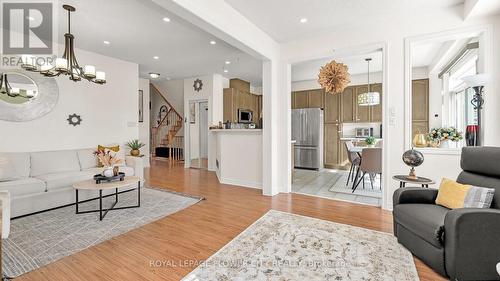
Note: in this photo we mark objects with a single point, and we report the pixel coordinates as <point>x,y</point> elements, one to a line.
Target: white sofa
<point>44,179</point>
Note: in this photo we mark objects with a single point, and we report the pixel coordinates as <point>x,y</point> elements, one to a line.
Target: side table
<point>403,180</point>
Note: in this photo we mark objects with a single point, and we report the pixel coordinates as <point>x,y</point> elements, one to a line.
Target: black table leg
<point>76,203</point>
<point>138,193</point>
<point>100,204</point>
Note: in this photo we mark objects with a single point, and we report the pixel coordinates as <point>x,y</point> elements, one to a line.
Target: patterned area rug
<point>40,239</point>
<point>283,246</point>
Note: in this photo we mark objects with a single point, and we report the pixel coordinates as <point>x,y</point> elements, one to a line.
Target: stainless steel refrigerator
<point>307,131</point>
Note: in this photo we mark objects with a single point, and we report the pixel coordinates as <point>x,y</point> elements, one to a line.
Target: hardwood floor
<point>166,249</point>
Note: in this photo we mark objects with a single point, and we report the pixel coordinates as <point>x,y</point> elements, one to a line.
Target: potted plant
<point>135,146</point>
<point>441,136</point>
<point>370,141</point>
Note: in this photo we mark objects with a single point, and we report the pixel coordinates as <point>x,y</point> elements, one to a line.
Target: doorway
<point>198,134</point>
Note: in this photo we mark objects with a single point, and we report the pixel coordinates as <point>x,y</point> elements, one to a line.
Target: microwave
<point>245,116</point>
<point>364,132</point>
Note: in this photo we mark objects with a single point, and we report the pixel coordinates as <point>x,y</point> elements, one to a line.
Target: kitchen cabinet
<point>347,105</point>
<point>376,110</point>
<point>301,99</point>
<point>315,98</point>
<point>234,99</point>
<point>420,106</point>
<point>331,147</point>
<point>332,108</point>
<point>362,112</point>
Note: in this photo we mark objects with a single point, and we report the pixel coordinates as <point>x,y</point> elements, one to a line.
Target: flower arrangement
<point>444,134</point>
<point>334,77</point>
<point>106,158</point>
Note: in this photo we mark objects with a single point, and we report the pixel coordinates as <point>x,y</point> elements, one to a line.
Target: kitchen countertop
<point>235,130</point>
<point>293,141</point>
<point>357,139</point>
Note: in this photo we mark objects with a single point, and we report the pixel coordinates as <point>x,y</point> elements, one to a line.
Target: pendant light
<point>6,89</point>
<point>370,98</point>
<point>67,64</point>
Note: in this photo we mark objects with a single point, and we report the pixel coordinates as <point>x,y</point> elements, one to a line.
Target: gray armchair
<point>462,244</point>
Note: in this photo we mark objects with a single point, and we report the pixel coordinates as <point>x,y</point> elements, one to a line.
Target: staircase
<point>164,138</point>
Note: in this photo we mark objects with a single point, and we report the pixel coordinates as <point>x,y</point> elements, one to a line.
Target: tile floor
<point>319,183</point>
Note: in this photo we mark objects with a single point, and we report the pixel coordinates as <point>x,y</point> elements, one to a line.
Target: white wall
<point>173,91</point>
<point>393,35</point>
<point>109,111</point>
<point>356,79</point>
<point>144,127</point>
<point>212,91</point>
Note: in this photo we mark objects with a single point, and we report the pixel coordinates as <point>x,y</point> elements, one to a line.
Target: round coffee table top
<point>419,180</point>
<point>91,185</point>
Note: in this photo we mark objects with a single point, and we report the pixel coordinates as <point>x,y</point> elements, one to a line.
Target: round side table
<point>403,180</point>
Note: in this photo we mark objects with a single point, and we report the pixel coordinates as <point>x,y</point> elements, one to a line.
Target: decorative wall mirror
<point>25,97</point>
<point>443,110</point>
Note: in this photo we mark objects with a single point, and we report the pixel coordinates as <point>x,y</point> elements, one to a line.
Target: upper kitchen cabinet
<point>362,112</point>
<point>347,105</point>
<point>376,110</point>
<point>235,99</point>
<point>315,98</point>
<point>332,108</point>
<point>301,99</point>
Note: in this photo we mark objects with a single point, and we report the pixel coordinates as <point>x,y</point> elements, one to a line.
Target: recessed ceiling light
<point>213,42</point>
<point>303,20</point>
<point>165,19</point>
<point>106,42</point>
<point>228,62</point>
<point>226,71</point>
<point>31,18</point>
<point>154,75</point>
<point>156,57</point>
<point>168,78</point>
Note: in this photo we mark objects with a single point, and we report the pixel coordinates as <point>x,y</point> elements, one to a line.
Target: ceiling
<point>425,54</point>
<point>281,18</point>
<point>357,65</point>
<point>136,32</point>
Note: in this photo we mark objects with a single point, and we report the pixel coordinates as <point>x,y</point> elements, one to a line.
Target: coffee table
<point>92,185</point>
<point>403,180</point>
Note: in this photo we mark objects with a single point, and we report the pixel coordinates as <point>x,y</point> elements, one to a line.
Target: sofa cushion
<point>424,220</point>
<point>20,162</point>
<point>7,170</point>
<point>25,186</point>
<point>51,162</point>
<point>64,180</point>
<point>87,158</point>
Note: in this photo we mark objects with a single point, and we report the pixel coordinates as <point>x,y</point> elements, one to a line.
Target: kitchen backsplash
<point>349,129</point>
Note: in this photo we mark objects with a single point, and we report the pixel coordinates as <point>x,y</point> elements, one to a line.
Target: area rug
<point>284,246</point>
<point>341,187</point>
<point>40,239</point>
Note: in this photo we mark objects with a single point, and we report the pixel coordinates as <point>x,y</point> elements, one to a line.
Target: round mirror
<point>17,88</point>
<point>26,96</point>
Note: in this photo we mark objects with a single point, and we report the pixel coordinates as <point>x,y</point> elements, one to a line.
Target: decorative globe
<point>413,158</point>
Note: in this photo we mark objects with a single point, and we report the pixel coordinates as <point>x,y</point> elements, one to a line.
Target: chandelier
<point>370,98</point>
<point>67,64</point>
<point>6,89</point>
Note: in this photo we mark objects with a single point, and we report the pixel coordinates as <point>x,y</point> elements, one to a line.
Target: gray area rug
<point>43,238</point>
<point>341,187</point>
<point>284,246</point>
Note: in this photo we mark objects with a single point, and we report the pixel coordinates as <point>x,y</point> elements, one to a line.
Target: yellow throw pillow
<point>452,194</point>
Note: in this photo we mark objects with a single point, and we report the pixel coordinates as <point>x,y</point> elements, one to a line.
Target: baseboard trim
<point>244,183</point>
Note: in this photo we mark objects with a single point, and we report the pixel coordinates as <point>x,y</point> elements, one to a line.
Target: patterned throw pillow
<point>115,149</point>
<point>454,195</point>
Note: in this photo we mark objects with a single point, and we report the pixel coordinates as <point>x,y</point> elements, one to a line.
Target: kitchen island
<point>239,156</point>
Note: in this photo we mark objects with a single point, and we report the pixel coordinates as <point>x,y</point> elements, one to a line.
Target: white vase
<point>445,144</point>
<point>108,172</point>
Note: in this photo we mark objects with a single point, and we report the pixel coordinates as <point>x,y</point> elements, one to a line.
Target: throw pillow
<point>7,170</point>
<point>116,151</point>
<point>454,195</point>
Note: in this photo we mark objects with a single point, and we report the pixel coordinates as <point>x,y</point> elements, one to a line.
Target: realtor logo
<point>27,28</point>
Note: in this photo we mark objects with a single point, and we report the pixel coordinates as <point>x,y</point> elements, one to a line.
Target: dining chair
<point>354,159</point>
<point>371,164</point>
